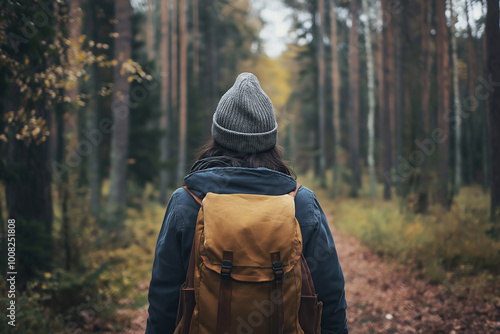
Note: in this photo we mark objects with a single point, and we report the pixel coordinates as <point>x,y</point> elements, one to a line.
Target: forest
<point>388,109</point>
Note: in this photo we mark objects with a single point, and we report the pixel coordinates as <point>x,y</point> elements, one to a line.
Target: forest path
<point>386,297</point>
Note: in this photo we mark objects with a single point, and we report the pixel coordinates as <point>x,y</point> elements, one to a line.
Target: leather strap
<point>225,292</point>
<point>294,193</point>
<point>194,196</point>
<point>278,291</point>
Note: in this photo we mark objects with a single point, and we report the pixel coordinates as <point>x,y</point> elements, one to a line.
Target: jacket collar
<point>239,180</point>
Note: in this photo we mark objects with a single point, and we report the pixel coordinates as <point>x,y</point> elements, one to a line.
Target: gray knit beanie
<point>244,120</point>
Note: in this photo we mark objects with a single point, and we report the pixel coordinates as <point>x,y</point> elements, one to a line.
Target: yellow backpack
<point>247,273</point>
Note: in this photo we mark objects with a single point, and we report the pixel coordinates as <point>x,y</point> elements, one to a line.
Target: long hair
<point>214,155</point>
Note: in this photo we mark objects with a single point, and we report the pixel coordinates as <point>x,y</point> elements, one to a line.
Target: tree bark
<point>371,100</point>
<point>386,112</point>
<point>181,168</point>
<point>321,93</point>
<point>174,50</point>
<point>458,110</point>
<point>469,126</point>
<point>381,106</point>
<point>493,54</point>
<point>120,108</point>
<point>425,73</point>
<point>150,37</point>
<point>165,115</point>
<point>336,97</point>
<point>443,74</point>
<point>196,43</point>
<point>354,99</point>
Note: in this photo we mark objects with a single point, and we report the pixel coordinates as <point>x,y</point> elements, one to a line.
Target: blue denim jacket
<point>173,247</point>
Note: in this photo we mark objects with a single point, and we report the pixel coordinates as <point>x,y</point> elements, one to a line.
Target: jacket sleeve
<point>167,275</point>
<point>321,256</point>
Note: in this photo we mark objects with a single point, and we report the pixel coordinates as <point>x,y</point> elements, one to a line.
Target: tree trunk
<point>196,43</point>
<point>28,196</point>
<point>390,77</point>
<point>493,53</point>
<point>354,99</point>
<point>399,91</point>
<point>425,73</point>
<point>213,59</point>
<point>150,37</point>
<point>165,115</point>
<point>173,68</point>
<point>443,75</point>
<point>456,100</point>
<point>120,108</point>
<point>181,168</point>
<point>371,100</point>
<point>386,112</point>
<point>321,93</point>
<point>471,76</point>
<point>381,106</point>
<point>336,97</point>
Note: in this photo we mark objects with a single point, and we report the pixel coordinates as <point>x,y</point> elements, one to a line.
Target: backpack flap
<point>252,227</point>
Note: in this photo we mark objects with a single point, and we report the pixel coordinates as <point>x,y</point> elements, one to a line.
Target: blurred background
<point>388,110</point>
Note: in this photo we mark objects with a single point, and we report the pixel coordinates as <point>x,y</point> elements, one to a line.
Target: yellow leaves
<point>114,35</point>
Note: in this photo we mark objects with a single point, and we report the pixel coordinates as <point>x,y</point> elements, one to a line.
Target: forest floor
<point>387,297</point>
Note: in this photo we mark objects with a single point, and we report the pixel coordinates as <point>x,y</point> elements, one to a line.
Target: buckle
<point>278,270</point>
<point>227,267</point>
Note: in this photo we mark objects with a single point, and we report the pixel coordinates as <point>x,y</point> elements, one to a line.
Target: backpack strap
<point>294,193</point>
<point>225,294</point>
<point>278,291</point>
<point>197,199</point>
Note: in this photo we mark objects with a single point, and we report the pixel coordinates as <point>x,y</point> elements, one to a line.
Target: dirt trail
<point>386,298</point>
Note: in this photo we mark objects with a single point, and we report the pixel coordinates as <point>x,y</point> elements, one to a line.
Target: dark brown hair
<point>272,159</point>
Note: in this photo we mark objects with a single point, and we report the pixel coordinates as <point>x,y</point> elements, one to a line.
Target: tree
<point>150,37</point>
<point>493,54</point>
<point>456,99</point>
<point>120,107</point>
<point>371,100</point>
<point>469,126</point>
<point>443,76</point>
<point>165,112</point>
<point>336,96</point>
<point>321,92</point>
<point>174,50</point>
<point>386,112</point>
<point>425,93</point>
<point>196,43</point>
<point>354,98</point>
<point>181,168</point>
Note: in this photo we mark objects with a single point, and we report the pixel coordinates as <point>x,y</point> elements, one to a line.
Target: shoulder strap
<point>197,199</point>
<point>294,193</point>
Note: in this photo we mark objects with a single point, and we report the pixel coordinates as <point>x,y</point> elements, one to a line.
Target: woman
<point>243,158</point>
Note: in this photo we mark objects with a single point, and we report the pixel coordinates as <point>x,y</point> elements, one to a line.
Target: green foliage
<point>435,243</point>
<point>106,277</point>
